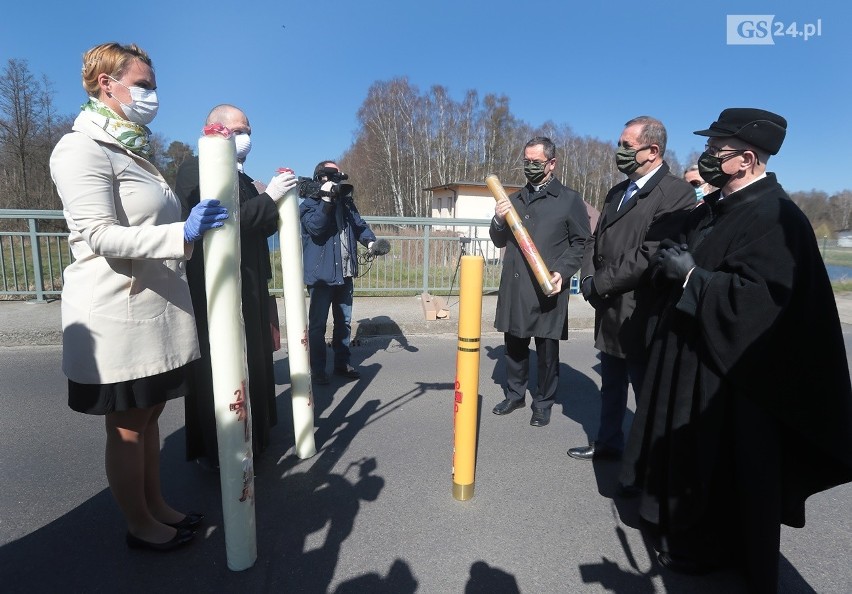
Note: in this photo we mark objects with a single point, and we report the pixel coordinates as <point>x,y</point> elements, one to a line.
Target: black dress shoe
<point>593,452</point>
<point>191,521</point>
<point>540,417</point>
<point>684,565</point>
<point>348,372</point>
<point>180,538</point>
<point>321,378</point>
<point>507,406</point>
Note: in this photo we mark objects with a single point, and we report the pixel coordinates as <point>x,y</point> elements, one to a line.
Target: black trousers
<point>518,368</point>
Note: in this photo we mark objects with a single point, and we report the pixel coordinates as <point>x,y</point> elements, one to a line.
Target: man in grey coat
<point>637,214</point>
<point>556,219</point>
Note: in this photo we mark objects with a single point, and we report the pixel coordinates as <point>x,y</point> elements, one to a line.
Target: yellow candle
<point>466,396</point>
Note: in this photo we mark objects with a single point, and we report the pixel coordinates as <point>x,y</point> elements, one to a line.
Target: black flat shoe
<point>180,538</point>
<point>191,521</point>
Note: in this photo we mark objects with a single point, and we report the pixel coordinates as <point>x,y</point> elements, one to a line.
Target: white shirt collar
<point>644,179</point>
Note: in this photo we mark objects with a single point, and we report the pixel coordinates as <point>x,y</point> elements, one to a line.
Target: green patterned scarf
<point>132,136</point>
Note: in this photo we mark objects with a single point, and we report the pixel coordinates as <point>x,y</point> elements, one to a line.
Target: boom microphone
<point>380,247</point>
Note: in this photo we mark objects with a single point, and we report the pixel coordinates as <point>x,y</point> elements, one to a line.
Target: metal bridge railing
<point>424,256</point>
<point>31,261</point>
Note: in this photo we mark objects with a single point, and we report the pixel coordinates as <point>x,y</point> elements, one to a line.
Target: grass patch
<point>837,256</point>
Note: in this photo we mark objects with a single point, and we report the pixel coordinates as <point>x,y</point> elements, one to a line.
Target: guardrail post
<point>35,249</point>
<point>426,232</point>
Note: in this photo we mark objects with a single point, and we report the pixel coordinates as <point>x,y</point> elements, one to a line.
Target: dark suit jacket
<point>618,253</point>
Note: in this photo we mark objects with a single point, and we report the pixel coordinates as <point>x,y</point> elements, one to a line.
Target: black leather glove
<point>587,288</point>
<point>676,262</point>
<point>590,293</point>
<point>655,263</point>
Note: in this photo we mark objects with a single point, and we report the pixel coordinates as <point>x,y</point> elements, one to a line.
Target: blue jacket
<point>321,253</point>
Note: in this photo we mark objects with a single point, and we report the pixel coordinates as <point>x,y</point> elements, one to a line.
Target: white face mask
<point>243,142</point>
<point>143,104</point>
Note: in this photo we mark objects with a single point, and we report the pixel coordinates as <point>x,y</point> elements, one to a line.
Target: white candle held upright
<point>217,166</point>
<point>296,319</point>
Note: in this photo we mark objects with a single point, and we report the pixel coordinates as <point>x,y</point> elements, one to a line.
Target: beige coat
<point>126,309</point>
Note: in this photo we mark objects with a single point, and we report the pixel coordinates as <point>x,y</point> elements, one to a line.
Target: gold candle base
<point>462,492</point>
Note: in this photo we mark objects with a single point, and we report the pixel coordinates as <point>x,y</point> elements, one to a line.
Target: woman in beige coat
<point>127,318</point>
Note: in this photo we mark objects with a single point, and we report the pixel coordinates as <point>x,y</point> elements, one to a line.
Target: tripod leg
<point>462,252</point>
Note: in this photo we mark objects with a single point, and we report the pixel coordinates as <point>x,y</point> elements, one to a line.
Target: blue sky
<point>301,70</point>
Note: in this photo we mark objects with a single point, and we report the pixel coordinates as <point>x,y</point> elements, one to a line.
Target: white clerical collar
<point>544,185</point>
<point>758,178</point>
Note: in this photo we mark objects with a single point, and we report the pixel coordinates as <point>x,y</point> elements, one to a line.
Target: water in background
<point>837,273</point>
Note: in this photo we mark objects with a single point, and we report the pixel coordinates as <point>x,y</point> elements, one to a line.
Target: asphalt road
<point>373,510</point>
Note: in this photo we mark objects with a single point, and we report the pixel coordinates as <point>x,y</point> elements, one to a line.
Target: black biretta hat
<point>758,127</point>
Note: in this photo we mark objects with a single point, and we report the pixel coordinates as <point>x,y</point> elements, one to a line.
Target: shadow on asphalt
<point>84,550</point>
<point>380,333</point>
<point>577,394</point>
<point>303,518</point>
<point>298,561</point>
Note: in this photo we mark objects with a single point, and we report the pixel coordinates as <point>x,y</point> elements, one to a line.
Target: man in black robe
<point>746,407</point>
<point>258,220</point>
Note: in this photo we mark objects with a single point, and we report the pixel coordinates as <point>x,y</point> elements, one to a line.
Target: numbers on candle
<point>240,407</point>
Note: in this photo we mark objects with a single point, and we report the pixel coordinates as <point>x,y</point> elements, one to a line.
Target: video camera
<point>312,187</point>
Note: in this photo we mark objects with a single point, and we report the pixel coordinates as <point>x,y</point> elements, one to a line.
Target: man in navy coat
<point>332,227</point>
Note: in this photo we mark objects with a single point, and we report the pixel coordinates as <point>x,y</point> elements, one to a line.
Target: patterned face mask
<point>535,171</point>
<point>710,168</point>
<point>625,159</point>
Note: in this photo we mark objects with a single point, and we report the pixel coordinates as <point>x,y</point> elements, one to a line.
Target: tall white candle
<point>217,164</point>
<point>296,319</point>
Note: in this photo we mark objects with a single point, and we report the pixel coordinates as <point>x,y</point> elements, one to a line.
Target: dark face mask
<point>625,159</point>
<point>710,168</point>
<point>535,172</point>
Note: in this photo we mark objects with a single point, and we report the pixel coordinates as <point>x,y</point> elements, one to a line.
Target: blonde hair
<point>112,59</point>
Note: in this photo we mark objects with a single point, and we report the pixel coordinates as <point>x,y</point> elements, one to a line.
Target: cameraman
<point>331,226</point>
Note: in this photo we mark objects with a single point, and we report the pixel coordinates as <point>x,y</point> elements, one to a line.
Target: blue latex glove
<point>204,216</point>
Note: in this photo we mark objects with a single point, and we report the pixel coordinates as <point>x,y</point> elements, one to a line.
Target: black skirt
<point>145,392</point>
